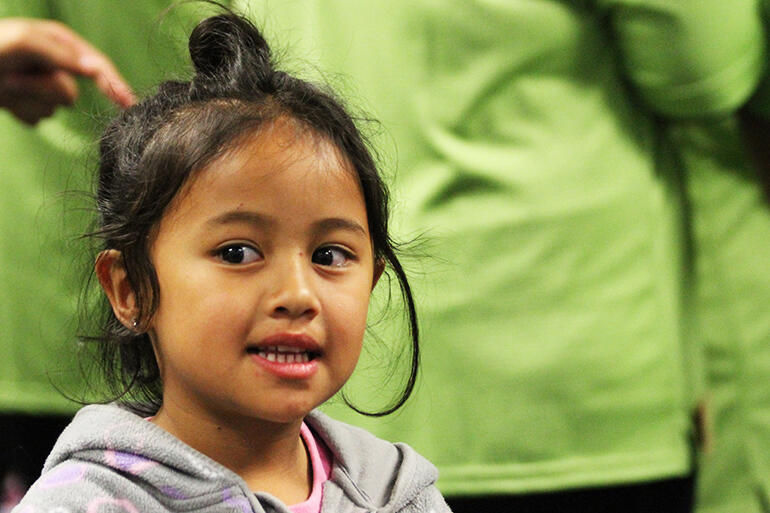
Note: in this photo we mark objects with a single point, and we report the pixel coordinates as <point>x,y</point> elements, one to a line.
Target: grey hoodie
<point>112,460</point>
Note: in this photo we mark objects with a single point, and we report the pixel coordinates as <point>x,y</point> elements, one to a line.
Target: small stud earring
<point>134,323</point>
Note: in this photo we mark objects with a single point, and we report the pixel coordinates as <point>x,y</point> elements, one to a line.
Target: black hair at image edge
<point>154,147</point>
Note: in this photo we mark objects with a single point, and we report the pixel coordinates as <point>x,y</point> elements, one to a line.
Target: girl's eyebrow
<point>241,216</point>
<point>339,223</point>
<point>261,220</point>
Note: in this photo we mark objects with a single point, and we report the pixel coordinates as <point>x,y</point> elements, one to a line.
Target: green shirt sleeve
<point>689,58</point>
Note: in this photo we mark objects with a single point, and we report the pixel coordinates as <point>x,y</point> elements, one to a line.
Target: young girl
<point>245,226</point>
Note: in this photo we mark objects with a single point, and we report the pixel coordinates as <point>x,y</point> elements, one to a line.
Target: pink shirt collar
<point>321,463</point>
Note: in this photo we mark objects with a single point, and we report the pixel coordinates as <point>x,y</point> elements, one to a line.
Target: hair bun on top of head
<point>229,53</point>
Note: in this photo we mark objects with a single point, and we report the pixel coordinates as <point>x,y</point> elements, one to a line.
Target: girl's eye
<point>238,254</point>
<point>331,256</point>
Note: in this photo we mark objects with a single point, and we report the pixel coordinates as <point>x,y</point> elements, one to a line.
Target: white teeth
<point>284,354</point>
<point>287,349</point>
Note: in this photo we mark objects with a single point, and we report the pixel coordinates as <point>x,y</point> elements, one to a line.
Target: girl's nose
<point>293,296</point>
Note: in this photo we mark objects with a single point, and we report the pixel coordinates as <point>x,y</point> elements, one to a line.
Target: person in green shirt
<point>39,61</point>
<point>726,160</point>
<point>727,163</point>
<point>45,168</point>
<point>731,221</point>
<point>560,366</point>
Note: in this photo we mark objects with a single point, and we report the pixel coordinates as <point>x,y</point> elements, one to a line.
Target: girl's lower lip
<point>294,370</point>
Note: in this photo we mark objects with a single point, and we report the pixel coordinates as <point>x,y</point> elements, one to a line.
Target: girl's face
<point>265,267</point>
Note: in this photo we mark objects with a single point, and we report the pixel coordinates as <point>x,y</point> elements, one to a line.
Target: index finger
<point>80,57</point>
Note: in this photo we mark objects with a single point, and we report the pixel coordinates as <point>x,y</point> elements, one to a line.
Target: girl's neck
<point>269,457</point>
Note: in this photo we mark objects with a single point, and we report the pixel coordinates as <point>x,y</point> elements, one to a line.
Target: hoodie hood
<point>110,454</point>
<point>369,472</point>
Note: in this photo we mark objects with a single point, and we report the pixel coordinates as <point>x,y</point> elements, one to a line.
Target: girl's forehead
<point>276,167</point>
<point>279,150</point>
<point>281,146</point>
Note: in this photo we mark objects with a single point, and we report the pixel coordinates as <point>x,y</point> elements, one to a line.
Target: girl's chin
<point>290,413</point>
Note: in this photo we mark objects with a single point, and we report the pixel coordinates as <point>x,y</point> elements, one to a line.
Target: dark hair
<point>154,147</point>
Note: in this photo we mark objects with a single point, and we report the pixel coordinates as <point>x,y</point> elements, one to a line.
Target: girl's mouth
<point>283,354</point>
<point>287,355</point>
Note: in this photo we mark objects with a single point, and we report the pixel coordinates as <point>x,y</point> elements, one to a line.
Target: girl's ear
<point>379,267</point>
<point>113,278</point>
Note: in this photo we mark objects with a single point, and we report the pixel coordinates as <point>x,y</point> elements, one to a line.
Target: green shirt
<point>731,220</point>
<point>43,211</point>
<point>525,145</point>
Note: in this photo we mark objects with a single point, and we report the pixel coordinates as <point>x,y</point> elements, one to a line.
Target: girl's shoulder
<point>74,485</point>
<point>110,458</point>
<point>374,473</point>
